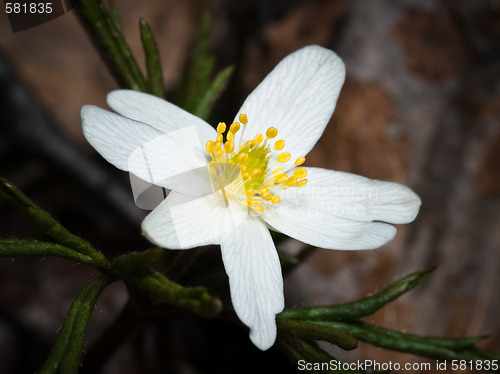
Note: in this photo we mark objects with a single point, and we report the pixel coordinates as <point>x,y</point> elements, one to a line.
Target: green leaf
<point>103,26</point>
<point>134,267</point>
<point>208,98</point>
<point>65,355</point>
<point>29,247</point>
<point>153,61</point>
<point>360,308</point>
<point>198,91</point>
<point>438,348</point>
<point>48,224</point>
<point>311,331</point>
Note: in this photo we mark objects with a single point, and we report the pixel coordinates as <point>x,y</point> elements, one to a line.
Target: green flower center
<point>246,174</point>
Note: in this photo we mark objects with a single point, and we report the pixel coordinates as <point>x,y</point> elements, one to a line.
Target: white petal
<point>174,160</point>
<point>158,113</point>
<point>255,279</point>
<point>323,229</point>
<point>183,221</point>
<point>354,197</point>
<point>113,136</point>
<point>298,98</point>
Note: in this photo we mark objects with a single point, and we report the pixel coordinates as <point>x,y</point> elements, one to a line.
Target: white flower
<point>231,193</point>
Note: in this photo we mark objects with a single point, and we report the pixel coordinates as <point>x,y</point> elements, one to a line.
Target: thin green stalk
<point>360,308</point>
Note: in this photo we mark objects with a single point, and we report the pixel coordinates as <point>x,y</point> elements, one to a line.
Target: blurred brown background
<point>420,106</point>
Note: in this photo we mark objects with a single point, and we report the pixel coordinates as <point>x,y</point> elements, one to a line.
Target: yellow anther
<point>249,144</point>
<point>243,118</point>
<point>284,157</point>
<point>218,146</point>
<point>301,182</point>
<point>221,127</point>
<point>281,178</point>
<point>230,136</point>
<point>277,170</point>
<point>267,196</point>
<point>253,201</point>
<point>243,168</point>
<point>258,138</point>
<point>262,190</point>
<point>300,161</point>
<point>210,146</point>
<point>271,132</point>
<point>291,181</point>
<point>235,126</point>
<point>250,192</point>
<point>279,145</point>
<point>300,172</point>
<point>229,146</point>
<point>257,208</point>
<point>219,138</point>
<point>276,199</point>
<point>246,176</point>
<point>242,157</point>
<point>230,162</point>
<point>256,173</point>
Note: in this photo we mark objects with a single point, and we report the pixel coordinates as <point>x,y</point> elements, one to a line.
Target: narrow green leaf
<point>103,26</point>
<point>153,61</point>
<point>209,97</point>
<point>360,308</point>
<point>114,18</point>
<point>29,247</point>
<point>47,224</point>
<point>65,355</point>
<point>134,267</point>
<point>199,91</point>
<point>438,348</point>
<point>311,331</point>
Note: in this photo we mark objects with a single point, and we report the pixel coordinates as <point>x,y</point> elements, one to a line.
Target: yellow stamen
<point>243,118</point>
<point>221,127</point>
<point>284,157</point>
<point>271,132</point>
<point>281,178</point>
<point>301,183</point>
<point>279,145</point>
<point>210,146</point>
<point>300,172</point>
<point>235,126</point>
<point>251,174</point>
<point>291,181</point>
<point>258,138</point>
<point>229,146</point>
<point>300,161</point>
